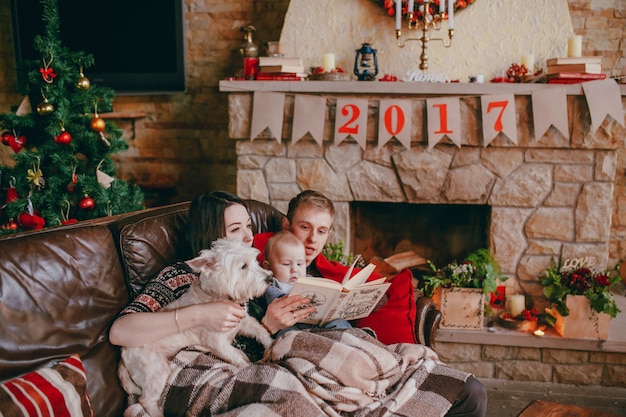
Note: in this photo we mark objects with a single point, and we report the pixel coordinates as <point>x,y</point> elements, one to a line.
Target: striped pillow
<point>59,391</point>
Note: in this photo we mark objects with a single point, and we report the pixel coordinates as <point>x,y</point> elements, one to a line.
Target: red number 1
<point>443,119</point>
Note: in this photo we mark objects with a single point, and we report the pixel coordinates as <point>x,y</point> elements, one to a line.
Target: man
<point>310,217</point>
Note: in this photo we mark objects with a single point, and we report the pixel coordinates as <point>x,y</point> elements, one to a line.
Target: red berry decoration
<point>6,138</point>
<point>86,203</point>
<point>10,225</point>
<point>64,138</point>
<point>69,221</point>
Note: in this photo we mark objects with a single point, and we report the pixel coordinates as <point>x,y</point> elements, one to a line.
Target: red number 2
<point>346,127</point>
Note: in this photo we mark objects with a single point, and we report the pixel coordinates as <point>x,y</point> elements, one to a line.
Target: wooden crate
<point>461,308</point>
<point>583,322</point>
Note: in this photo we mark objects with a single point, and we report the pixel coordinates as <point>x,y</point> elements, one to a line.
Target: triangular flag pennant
<point>267,112</point>
<point>308,117</point>
<point>444,119</point>
<point>394,120</point>
<point>351,120</point>
<point>498,113</point>
<point>550,108</point>
<point>603,99</point>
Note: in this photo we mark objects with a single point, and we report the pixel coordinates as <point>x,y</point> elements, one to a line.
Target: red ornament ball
<point>64,138</point>
<point>10,225</point>
<point>6,138</point>
<point>86,203</point>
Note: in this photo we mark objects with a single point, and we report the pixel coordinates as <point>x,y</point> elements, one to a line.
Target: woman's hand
<point>286,311</point>
<point>216,316</point>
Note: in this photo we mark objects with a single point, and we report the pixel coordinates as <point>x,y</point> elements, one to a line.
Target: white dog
<point>228,271</point>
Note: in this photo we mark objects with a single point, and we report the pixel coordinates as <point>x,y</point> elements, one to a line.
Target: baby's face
<point>288,262</point>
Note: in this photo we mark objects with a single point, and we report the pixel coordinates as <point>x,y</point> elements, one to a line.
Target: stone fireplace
<point>549,197</point>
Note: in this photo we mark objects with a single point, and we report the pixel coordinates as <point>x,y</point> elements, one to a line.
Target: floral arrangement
<point>478,270</point>
<point>559,282</point>
<point>516,73</point>
<point>525,315</point>
<point>435,6</point>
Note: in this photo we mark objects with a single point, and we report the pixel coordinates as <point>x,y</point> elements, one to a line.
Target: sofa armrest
<point>427,321</point>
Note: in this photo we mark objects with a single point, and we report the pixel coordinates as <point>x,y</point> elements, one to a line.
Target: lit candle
<point>410,8</point>
<point>398,13</point>
<point>517,304</point>
<point>528,61</point>
<point>328,62</point>
<point>575,46</point>
<point>539,332</point>
<point>451,14</point>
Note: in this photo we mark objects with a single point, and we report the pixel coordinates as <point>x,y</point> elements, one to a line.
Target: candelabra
<point>426,21</point>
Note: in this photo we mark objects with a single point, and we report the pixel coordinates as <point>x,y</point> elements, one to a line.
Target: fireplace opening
<point>440,233</point>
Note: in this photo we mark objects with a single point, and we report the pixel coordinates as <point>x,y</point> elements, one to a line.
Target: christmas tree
<point>63,172</point>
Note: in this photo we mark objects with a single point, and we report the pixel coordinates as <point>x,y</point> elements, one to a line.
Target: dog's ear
<point>201,262</point>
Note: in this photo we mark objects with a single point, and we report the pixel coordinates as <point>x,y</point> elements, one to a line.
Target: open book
<point>350,300</point>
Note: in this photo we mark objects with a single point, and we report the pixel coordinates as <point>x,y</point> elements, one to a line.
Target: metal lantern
<point>366,63</point>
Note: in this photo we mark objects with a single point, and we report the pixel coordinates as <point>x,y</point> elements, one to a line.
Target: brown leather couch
<point>60,289</point>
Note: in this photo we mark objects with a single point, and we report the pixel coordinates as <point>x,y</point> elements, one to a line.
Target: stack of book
<point>281,68</point>
<point>574,70</point>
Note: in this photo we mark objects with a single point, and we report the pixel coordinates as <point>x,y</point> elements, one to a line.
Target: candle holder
<point>426,21</point>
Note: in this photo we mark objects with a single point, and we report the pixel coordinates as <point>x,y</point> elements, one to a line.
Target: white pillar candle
<point>575,46</point>
<point>528,61</point>
<point>398,14</point>
<point>451,14</point>
<point>517,304</point>
<point>411,6</point>
<point>328,62</point>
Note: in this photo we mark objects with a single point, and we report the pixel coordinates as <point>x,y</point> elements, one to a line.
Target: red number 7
<point>494,104</point>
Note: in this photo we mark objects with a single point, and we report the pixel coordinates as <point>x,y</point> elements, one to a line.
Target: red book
<point>567,80</point>
<point>280,76</point>
<point>576,75</point>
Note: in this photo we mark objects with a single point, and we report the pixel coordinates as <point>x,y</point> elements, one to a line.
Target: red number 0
<point>346,128</point>
<point>389,119</point>
<point>498,125</point>
<point>443,118</point>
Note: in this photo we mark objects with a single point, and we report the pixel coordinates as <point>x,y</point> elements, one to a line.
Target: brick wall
<point>182,144</point>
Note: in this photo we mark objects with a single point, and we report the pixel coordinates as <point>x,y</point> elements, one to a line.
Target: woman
<point>294,377</point>
<point>211,216</point>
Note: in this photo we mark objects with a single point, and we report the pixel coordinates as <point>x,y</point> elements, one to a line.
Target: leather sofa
<point>60,289</point>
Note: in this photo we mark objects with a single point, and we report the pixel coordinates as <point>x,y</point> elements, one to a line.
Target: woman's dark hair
<point>206,219</point>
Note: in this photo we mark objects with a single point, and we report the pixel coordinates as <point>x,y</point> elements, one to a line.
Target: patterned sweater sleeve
<point>167,286</point>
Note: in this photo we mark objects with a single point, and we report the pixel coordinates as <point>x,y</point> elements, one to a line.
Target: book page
<point>360,277</point>
<point>321,294</point>
<point>358,303</point>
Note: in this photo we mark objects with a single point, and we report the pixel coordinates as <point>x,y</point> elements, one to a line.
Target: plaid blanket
<point>313,373</point>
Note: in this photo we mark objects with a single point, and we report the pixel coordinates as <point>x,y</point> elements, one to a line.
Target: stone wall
<point>536,364</point>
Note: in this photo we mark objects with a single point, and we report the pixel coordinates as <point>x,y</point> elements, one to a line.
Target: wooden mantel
<point>405,88</point>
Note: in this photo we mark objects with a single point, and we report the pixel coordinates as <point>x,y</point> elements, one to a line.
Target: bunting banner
<point>351,120</point>
<point>498,113</point>
<point>603,99</point>
<point>394,121</point>
<point>443,115</point>
<point>265,116</point>
<point>550,109</point>
<point>444,119</point>
<point>308,117</point>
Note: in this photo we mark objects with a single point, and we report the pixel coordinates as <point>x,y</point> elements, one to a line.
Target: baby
<point>285,257</point>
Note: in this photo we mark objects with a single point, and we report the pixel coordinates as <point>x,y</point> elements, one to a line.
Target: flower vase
<point>583,322</point>
<point>461,308</point>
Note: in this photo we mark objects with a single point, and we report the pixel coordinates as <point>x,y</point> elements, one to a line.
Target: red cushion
<point>59,391</point>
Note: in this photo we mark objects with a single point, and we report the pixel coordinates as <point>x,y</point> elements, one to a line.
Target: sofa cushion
<point>58,391</point>
<point>150,240</point>
<point>61,288</point>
